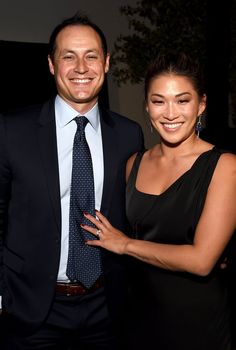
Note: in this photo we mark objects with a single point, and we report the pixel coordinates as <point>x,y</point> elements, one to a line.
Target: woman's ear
<point>202,105</point>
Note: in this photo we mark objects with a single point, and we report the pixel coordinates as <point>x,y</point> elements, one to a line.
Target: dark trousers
<point>74,323</point>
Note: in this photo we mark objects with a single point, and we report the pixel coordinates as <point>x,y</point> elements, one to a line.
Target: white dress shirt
<point>65,130</point>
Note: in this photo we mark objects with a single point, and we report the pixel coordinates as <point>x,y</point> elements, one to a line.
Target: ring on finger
<point>98,232</point>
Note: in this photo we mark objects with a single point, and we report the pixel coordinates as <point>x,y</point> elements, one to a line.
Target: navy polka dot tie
<point>84,262</point>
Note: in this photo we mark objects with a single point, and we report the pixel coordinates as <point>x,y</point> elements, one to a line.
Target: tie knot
<point>81,121</point>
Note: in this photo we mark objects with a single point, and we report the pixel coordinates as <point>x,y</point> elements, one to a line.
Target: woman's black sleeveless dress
<point>175,310</point>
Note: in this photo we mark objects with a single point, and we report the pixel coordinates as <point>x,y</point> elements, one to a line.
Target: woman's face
<point>173,106</point>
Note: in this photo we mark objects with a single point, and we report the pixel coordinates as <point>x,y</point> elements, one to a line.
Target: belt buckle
<point>73,290</point>
<point>68,294</point>
<point>78,289</point>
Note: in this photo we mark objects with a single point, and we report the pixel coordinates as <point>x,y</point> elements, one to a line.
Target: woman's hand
<point>108,237</point>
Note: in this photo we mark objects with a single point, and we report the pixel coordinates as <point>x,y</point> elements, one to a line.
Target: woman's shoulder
<point>131,161</point>
<point>130,164</point>
<point>227,161</point>
<point>225,171</point>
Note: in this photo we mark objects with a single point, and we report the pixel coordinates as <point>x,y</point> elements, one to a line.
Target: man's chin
<point>82,105</point>
<point>85,98</point>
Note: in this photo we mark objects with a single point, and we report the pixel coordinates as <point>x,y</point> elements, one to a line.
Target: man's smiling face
<point>79,66</point>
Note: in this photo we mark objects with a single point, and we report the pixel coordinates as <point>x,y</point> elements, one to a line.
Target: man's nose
<point>81,66</point>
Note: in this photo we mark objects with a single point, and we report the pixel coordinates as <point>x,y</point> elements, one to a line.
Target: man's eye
<point>68,57</point>
<point>92,57</point>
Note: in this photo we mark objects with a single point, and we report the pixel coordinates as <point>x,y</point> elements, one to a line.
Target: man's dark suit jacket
<point>30,212</point>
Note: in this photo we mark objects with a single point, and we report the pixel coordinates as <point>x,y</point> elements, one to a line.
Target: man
<point>43,307</point>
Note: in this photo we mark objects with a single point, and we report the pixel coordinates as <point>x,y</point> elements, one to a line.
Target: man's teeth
<point>81,80</point>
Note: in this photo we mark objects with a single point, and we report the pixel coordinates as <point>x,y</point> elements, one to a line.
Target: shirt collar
<point>65,113</point>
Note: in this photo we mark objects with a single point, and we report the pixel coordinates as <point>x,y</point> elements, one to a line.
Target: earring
<point>198,126</point>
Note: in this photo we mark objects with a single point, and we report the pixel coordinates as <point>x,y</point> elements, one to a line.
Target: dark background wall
<point>24,76</point>
<point>220,39</point>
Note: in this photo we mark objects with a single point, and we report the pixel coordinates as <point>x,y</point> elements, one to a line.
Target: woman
<point>181,204</point>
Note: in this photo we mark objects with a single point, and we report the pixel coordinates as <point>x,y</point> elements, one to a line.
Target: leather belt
<point>77,289</point>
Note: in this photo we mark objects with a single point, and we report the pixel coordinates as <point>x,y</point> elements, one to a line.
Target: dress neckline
<point>173,183</point>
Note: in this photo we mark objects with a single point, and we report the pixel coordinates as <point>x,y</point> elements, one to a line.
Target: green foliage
<point>158,25</point>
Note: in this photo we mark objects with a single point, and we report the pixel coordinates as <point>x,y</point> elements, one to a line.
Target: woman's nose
<point>171,111</point>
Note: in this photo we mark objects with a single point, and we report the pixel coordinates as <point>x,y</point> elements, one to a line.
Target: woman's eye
<point>158,102</point>
<point>183,101</point>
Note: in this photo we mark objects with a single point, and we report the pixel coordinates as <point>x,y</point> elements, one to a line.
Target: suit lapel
<point>48,148</point>
<point>110,147</point>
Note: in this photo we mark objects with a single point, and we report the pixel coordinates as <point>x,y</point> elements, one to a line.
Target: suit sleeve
<point>4,194</point>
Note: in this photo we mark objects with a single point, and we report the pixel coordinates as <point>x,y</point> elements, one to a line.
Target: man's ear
<point>51,65</point>
<point>107,63</point>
